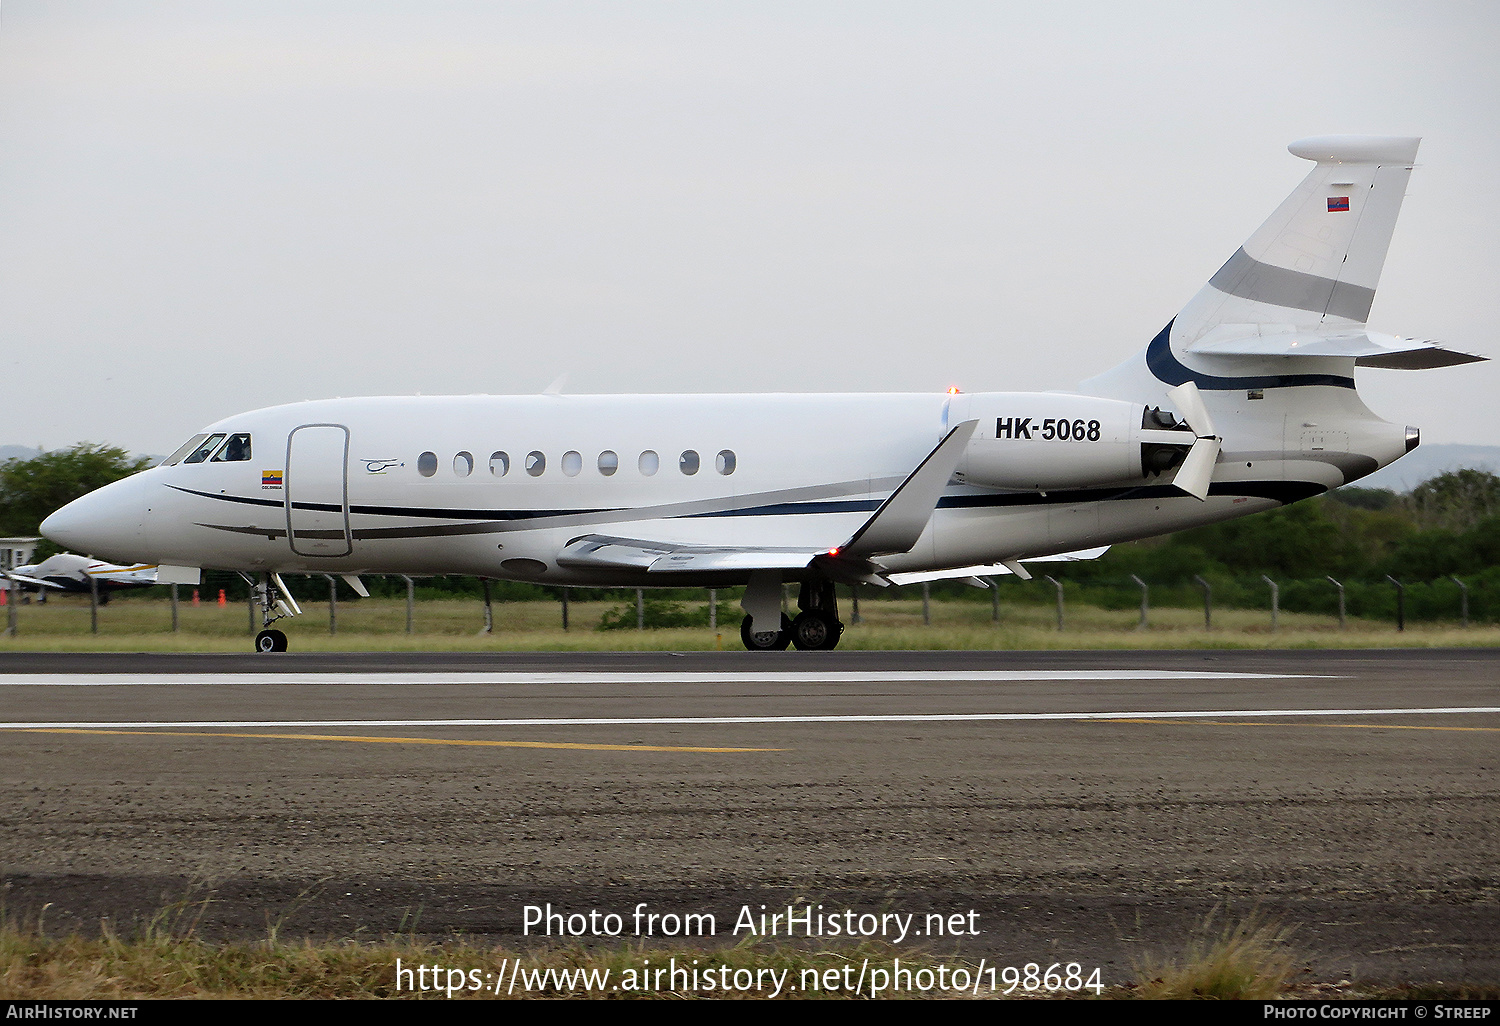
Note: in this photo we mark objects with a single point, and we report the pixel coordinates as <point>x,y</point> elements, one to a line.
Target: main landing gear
<point>815,628</point>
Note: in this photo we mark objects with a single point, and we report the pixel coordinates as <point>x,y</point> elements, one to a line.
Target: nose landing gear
<point>272,608</point>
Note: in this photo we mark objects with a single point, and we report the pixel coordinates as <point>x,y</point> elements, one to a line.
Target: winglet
<point>902,518</point>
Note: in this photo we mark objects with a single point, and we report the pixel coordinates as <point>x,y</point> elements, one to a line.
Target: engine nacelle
<point>1049,440</point>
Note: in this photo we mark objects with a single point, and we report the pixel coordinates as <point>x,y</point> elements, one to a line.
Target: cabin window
<point>649,463</point>
<point>201,453</point>
<point>688,463</point>
<point>609,462</point>
<point>499,464</point>
<point>427,464</point>
<point>235,450</point>
<point>724,462</point>
<point>572,463</point>
<point>191,445</point>
<point>536,464</point>
<point>463,464</point>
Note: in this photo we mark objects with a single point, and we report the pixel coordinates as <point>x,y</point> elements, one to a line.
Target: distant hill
<point>1428,461</point>
<point>17,452</point>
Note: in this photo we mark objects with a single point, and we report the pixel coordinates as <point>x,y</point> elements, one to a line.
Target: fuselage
<point>498,486</point>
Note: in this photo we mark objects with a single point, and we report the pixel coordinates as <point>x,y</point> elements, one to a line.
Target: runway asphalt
<point>1087,806</point>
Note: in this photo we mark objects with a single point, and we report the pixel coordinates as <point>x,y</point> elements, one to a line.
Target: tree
<point>1456,500</point>
<point>31,490</point>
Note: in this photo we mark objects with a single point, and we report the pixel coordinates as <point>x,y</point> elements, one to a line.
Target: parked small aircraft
<point>1246,400</point>
<point>67,572</point>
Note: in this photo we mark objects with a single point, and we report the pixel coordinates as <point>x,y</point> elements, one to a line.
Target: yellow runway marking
<point>1284,723</point>
<point>406,740</point>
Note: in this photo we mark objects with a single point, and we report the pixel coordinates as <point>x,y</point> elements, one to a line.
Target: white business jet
<point>67,572</point>
<point>1244,402</point>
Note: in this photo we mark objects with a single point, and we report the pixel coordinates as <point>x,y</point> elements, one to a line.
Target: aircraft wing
<point>35,582</point>
<point>893,528</point>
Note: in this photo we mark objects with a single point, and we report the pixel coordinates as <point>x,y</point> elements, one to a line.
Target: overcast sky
<point>213,207</point>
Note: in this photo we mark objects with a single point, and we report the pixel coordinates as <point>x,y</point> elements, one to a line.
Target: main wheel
<point>270,641</point>
<point>766,641</point>
<point>813,630</point>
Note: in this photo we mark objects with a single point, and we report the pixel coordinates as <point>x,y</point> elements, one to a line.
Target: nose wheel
<point>275,601</point>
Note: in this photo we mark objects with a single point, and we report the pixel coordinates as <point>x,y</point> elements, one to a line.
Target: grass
<point>164,959</point>
<point>1246,961</point>
<point>141,624</point>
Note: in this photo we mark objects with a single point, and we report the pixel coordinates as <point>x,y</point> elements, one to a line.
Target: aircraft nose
<point>104,523</point>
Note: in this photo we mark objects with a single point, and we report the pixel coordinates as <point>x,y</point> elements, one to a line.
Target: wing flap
<point>992,569</point>
<point>601,552</point>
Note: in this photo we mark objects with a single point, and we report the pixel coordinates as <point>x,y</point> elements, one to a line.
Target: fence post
<point>174,609</point>
<point>1463,600</point>
<point>93,604</point>
<point>854,591</point>
<point>13,594</point>
<point>1145,600</point>
<point>713,610</point>
<point>926,604</point>
<point>1400,602</point>
<point>640,609</point>
<point>1058,585</point>
<point>411,599</point>
<point>994,600</point>
<point>1208,602</point>
<point>565,607</point>
<point>333,604</point>
<point>1340,587</point>
<point>489,612</point>
<point>1275,601</point>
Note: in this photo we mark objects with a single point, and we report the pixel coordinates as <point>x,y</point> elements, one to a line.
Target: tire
<point>814,631</point>
<point>766,641</point>
<point>270,641</point>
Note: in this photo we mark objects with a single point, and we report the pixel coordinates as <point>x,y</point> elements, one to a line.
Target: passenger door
<point>317,490</point>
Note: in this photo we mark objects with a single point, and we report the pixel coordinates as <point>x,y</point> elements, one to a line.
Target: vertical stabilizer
<point>1306,275</point>
<point>1316,261</point>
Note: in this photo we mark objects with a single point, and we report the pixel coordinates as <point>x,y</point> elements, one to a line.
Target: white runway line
<point>612,677</point>
<point>706,720</point>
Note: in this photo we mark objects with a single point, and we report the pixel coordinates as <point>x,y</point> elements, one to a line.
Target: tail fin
<point>1301,286</point>
<point>1316,261</point>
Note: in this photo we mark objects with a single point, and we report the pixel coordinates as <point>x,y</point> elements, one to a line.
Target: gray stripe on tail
<point>1248,278</point>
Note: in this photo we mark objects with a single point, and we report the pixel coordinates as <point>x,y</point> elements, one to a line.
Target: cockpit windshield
<point>201,453</point>
<point>222,447</point>
<point>235,450</point>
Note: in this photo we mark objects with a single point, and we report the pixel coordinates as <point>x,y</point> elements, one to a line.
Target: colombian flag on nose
<point>270,478</point>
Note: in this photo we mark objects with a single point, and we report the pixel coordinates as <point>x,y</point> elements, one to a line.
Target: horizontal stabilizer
<point>1369,348</point>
